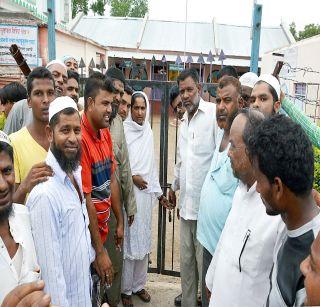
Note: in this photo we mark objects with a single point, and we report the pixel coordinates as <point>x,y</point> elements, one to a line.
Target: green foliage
<point>308,31</point>
<point>130,8</point>
<point>98,7</point>
<point>79,6</point>
<point>293,30</point>
<point>316,183</point>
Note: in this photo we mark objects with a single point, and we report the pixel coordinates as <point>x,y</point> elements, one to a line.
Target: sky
<point>238,12</point>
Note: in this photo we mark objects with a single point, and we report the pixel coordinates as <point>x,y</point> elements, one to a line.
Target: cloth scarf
<point>141,150</point>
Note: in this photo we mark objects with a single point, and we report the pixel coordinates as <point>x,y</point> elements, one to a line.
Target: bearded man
<point>58,212</point>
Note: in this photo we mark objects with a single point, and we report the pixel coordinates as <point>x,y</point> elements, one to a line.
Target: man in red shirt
<point>99,184</point>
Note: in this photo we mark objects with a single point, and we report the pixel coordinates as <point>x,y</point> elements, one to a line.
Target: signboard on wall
<point>25,37</point>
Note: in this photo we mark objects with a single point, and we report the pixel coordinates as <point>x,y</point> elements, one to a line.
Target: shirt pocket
<point>202,144</point>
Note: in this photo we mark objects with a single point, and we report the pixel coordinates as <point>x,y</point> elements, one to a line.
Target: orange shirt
<point>98,164</point>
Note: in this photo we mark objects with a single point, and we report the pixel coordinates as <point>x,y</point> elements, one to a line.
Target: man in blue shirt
<point>220,184</point>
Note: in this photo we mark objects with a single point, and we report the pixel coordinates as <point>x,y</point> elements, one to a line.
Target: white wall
<point>68,45</point>
<point>303,54</point>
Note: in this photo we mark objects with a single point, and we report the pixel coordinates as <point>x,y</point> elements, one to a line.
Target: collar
<point>245,191</point>
<point>88,127</point>
<point>16,229</point>
<point>57,170</point>
<point>202,107</point>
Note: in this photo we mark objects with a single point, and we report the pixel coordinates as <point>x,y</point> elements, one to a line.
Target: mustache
<point>222,113</point>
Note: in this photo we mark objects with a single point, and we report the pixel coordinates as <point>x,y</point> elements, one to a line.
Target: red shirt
<point>98,164</point>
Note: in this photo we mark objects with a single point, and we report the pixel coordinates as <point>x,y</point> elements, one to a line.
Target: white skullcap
<point>4,138</point>
<point>60,104</point>
<point>56,62</point>
<point>67,57</point>
<point>248,79</point>
<point>272,81</point>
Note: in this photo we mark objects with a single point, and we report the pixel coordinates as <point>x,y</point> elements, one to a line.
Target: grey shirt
<point>19,117</point>
<point>123,171</point>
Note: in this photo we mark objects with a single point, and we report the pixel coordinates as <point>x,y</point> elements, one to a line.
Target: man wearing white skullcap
<point>247,80</point>
<point>265,95</point>
<point>58,212</point>
<point>70,62</point>
<point>59,73</point>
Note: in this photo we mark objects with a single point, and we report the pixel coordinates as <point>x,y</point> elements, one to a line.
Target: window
<point>300,90</point>
<point>300,94</point>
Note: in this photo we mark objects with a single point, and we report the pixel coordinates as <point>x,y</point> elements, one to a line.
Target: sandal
<point>143,295</point>
<point>126,300</point>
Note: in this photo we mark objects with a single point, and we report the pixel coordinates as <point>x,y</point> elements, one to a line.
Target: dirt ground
<point>162,289</point>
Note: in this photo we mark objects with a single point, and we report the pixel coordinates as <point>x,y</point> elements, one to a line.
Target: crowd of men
<point>71,187</point>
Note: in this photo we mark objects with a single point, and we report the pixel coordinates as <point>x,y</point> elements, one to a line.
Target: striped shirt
<point>59,222</point>
<point>98,165</point>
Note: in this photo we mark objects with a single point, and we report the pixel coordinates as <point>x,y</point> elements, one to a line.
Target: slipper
<point>143,295</point>
<point>126,300</point>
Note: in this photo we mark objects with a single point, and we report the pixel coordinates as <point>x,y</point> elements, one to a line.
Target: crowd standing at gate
<point>79,181</point>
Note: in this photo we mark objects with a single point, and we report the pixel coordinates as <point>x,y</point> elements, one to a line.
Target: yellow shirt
<point>26,152</point>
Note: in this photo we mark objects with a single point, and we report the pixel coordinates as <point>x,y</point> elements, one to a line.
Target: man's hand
<point>139,182</point>
<point>38,173</point>
<point>118,237</point>
<point>172,197</point>
<point>130,220</point>
<point>165,203</point>
<point>27,295</point>
<point>103,266</point>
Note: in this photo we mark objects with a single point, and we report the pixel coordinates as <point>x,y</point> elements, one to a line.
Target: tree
<point>79,6</point>
<point>308,31</point>
<point>98,7</point>
<point>293,30</point>
<point>131,8</point>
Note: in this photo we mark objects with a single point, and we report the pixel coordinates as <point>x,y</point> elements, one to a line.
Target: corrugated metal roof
<point>169,35</point>
<point>111,32</point>
<point>161,35</point>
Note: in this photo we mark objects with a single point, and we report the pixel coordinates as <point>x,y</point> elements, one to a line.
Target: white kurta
<point>239,271</point>
<point>137,238</point>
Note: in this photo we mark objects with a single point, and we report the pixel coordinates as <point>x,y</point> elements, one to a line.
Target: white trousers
<point>134,275</point>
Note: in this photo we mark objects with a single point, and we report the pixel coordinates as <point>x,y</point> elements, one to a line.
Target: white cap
<point>56,62</point>
<point>60,104</point>
<point>272,81</point>
<point>4,138</point>
<point>248,79</point>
